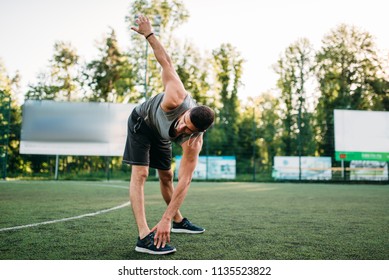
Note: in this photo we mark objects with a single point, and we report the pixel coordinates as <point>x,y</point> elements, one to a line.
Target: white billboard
<point>312,168</point>
<point>219,167</point>
<point>74,128</point>
<point>361,135</point>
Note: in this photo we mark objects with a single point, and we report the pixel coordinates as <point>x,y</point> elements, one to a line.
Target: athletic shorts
<point>144,146</point>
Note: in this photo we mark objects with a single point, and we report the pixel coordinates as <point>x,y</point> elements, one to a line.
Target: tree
<point>192,69</point>
<point>62,80</point>
<point>111,78</point>
<point>193,72</point>
<point>295,71</point>
<point>44,89</point>
<point>166,16</point>
<point>173,13</point>
<point>64,70</point>
<point>228,72</point>
<point>259,133</point>
<point>269,128</point>
<point>10,122</point>
<point>347,68</point>
<point>380,86</point>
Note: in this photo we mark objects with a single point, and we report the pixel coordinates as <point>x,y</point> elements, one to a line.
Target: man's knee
<point>165,176</point>
<point>139,173</point>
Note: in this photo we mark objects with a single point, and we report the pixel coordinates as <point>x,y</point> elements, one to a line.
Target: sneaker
<point>146,245</point>
<point>185,226</point>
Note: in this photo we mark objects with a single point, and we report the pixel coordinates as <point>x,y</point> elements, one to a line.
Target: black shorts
<point>144,146</point>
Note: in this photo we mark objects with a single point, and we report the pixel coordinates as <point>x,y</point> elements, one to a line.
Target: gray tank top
<point>161,121</point>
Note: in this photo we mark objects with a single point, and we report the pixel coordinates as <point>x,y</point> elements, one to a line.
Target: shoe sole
<point>178,230</point>
<point>151,252</point>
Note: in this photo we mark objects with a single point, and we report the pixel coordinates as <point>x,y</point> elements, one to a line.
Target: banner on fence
<point>311,168</point>
<point>368,170</point>
<point>212,167</point>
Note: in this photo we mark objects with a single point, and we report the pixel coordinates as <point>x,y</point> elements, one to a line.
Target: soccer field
<point>245,221</point>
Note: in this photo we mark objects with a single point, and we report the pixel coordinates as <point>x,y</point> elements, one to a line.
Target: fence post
<point>56,167</point>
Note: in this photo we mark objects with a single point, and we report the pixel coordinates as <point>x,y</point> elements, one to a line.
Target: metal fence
<point>245,160</point>
<point>215,168</point>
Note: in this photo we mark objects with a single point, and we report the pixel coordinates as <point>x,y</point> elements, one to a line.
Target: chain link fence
<point>224,157</point>
<point>212,168</point>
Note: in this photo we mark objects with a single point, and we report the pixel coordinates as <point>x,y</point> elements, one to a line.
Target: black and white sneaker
<point>146,245</point>
<point>185,226</point>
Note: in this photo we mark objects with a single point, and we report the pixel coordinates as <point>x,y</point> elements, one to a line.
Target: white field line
<point>67,219</point>
<point>89,184</point>
<point>106,185</point>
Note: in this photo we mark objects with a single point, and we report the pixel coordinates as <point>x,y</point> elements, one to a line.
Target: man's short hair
<point>202,117</point>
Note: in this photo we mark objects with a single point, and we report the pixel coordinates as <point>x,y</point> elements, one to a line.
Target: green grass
<point>244,221</point>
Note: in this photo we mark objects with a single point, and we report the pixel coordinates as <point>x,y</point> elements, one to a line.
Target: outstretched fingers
<point>160,237</point>
<point>144,25</point>
<point>142,19</point>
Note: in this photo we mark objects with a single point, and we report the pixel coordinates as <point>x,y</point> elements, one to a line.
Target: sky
<point>260,30</point>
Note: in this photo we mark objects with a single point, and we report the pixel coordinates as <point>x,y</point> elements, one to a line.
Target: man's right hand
<point>162,233</point>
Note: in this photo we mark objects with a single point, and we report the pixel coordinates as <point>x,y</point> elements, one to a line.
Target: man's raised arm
<point>174,89</point>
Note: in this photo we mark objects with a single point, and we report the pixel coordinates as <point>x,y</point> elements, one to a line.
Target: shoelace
<point>150,240</point>
<point>186,223</point>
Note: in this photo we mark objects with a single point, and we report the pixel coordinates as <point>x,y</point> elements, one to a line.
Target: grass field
<point>244,221</point>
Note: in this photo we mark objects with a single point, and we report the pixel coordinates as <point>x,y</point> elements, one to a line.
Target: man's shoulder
<point>171,102</point>
<point>156,98</point>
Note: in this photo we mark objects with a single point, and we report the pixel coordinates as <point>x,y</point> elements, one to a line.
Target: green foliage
<point>295,71</point>
<point>8,84</point>
<point>228,64</point>
<point>380,86</point>
<point>166,16</point>
<point>64,71</point>
<point>193,72</point>
<point>11,121</point>
<point>347,66</point>
<point>5,112</point>
<point>43,90</point>
<point>62,82</point>
<point>111,78</point>
<point>173,13</point>
<point>268,128</point>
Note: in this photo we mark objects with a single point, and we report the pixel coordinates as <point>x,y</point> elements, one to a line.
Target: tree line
<point>296,118</point>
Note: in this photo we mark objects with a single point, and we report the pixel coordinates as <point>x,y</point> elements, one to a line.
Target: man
<point>169,116</point>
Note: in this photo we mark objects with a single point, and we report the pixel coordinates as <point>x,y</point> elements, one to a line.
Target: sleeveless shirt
<point>159,120</point>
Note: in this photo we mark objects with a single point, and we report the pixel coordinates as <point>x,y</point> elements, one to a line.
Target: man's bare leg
<point>138,178</point>
<point>167,189</point>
